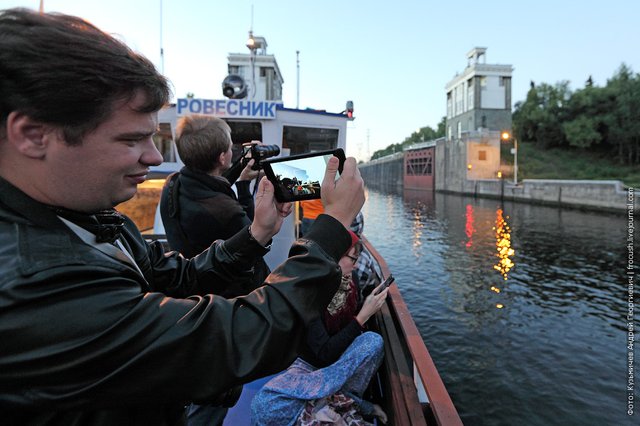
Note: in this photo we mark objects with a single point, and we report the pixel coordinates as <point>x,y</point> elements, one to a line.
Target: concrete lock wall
<point>387,171</point>
<point>451,165</point>
<point>451,175</point>
<point>606,194</point>
<point>610,195</point>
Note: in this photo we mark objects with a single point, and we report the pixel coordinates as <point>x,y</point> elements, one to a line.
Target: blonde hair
<point>200,141</point>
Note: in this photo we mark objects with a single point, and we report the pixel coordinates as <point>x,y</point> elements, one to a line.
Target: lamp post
<point>515,160</point>
<point>505,136</point>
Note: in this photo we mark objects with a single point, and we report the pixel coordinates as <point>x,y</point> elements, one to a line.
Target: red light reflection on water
<point>469,230</point>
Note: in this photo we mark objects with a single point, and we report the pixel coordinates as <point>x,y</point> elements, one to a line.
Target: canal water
<point>522,307</point>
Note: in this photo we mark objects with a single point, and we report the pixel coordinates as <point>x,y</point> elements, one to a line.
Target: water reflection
<point>468,226</point>
<point>503,245</point>
<point>543,347</point>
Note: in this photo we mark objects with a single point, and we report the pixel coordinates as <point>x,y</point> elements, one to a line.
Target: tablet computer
<point>299,177</point>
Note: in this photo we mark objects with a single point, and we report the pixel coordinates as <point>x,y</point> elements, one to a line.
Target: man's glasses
<point>354,259</point>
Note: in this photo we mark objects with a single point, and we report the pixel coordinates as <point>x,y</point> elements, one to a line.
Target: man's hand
<point>342,198</point>
<point>248,173</point>
<point>268,214</point>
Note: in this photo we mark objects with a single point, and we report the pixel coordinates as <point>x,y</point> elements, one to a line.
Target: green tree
<point>391,149</point>
<point>552,101</point>
<point>606,118</point>
<point>584,124</point>
<point>582,132</point>
<point>524,122</point>
<point>441,131</point>
<point>623,120</point>
<point>539,118</point>
<point>422,135</point>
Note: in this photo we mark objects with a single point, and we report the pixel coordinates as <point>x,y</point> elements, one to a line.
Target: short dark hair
<point>63,71</point>
<point>200,141</point>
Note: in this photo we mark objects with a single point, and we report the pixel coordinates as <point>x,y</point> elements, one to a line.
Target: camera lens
<point>261,152</point>
<point>265,151</point>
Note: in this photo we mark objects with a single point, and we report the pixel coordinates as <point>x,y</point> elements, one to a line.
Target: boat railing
<point>416,392</point>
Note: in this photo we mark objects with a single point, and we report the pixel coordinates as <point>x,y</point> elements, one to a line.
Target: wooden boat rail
<point>407,358</point>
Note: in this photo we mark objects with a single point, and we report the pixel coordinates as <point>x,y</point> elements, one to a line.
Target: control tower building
<point>479,99</point>
<point>259,71</point>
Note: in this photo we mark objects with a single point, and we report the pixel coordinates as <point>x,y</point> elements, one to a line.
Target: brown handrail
<point>440,402</point>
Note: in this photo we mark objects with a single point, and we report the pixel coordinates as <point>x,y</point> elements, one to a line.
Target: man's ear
<point>222,157</point>
<point>28,136</point>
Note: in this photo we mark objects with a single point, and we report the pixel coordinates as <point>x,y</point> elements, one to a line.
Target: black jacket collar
<point>106,224</point>
<point>22,208</point>
<point>201,184</point>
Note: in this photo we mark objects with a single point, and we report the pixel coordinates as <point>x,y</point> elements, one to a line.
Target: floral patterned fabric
<point>342,307</point>
<point>302,391</point>
<point>337,409</point>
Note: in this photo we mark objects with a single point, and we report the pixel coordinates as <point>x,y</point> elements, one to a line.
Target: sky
<point>393,59</point>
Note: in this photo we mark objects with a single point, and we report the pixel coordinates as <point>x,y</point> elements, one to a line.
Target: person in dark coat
<point>198,204</point>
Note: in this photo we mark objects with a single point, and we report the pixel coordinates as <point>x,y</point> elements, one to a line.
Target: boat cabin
<point>294,131</point>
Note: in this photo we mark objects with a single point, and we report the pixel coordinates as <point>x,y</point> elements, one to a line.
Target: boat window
<point>243,132</point>
<point>163,140</point>
<point>300,140</point>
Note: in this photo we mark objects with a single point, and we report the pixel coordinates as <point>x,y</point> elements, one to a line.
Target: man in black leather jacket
<point>97,326</point>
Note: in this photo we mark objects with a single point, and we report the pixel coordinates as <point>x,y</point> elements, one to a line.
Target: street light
<point>505,136</point>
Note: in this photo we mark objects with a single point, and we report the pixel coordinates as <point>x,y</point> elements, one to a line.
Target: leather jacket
<point>89,339</point>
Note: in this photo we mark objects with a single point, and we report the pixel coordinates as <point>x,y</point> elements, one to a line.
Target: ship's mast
<point>161,43</point>
<point>297,79</point>
<point>251,44</point>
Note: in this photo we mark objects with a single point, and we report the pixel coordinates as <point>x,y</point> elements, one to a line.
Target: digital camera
<point>259,153</point>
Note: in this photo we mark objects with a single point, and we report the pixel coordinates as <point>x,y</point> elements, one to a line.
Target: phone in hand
<point>385,284</point>
<point>299,177</point>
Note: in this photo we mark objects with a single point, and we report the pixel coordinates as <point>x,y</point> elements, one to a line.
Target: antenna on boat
<point>298,79</point>
<point>251,44</point>
<point>161,48</point>
<point>251,27</point>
